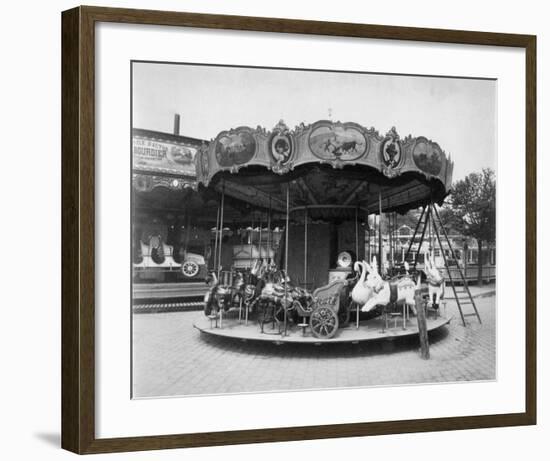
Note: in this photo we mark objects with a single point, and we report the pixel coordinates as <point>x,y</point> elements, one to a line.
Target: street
<point>171,358</point>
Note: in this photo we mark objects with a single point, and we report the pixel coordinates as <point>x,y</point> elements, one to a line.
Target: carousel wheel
<point>190,269</point>
<point>323,322</point>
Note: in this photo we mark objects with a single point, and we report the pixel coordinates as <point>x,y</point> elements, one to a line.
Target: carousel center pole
<point>286,257</point>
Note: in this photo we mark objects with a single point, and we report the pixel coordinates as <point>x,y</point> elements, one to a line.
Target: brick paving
<point>172,358</point>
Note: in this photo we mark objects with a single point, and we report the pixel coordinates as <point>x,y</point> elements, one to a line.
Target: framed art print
<point>280,230</point>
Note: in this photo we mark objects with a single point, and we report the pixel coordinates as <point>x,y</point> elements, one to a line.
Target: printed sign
<point>162,156</point>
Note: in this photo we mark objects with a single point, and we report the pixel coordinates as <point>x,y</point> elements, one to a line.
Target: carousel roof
<point>326,165</point>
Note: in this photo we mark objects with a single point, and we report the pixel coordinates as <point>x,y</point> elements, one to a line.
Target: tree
<point>473,201</point>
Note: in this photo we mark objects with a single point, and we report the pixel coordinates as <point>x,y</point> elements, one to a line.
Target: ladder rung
<point>465,302</point>
<point>470,315</point>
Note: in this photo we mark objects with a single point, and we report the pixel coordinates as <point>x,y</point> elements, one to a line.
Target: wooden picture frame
<point>78,219</point>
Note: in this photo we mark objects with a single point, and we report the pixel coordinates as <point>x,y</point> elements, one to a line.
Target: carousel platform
<point>370,330</point>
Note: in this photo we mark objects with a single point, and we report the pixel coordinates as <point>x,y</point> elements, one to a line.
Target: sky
<point>459,114</point>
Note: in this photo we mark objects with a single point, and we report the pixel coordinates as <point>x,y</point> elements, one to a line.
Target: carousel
<point>304,273</point>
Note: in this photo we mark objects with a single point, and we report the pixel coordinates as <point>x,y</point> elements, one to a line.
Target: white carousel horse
<point>400,290</point>
<point>436,281</point>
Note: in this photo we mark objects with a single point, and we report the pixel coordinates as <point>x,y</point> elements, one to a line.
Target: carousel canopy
<point>332,168</point>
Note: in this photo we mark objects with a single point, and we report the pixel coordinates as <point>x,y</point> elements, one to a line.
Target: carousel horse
<point>273,289</point>
<point>253,284</point>
<point>436,281</point>
<point>269,298</point>
<point>223,296</point>
<point>399,290</point>
<point>278,294</point>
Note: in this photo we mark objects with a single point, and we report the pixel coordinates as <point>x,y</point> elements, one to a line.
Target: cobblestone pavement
<point>172,358</point>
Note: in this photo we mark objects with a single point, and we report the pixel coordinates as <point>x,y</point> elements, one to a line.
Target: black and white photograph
<point>309,229</point>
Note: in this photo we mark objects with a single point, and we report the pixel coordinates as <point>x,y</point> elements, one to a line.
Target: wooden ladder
<point>463,296</point>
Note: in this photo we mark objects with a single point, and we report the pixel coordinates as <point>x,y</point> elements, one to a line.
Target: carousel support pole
<point>391,218</point>
<point>430,233</point>
<point>381,268</point>
<point>260,236</point>
<point>305,247</point>
<point>390,237</point>
<point>356,234</point>
<point>220,246</point>
<point>357,258</point>
<point>269,236</point>
<point>369,236</point>
<point>251,239</point>
<point>372,243</point>
<point>394,238</point>
<point>395,234</point>
<point>286,256</point>
<point>304,323</point>
<point>372,240</point>
<point>221,233</point>
<point>240,308</point>
<point>214,266</point>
